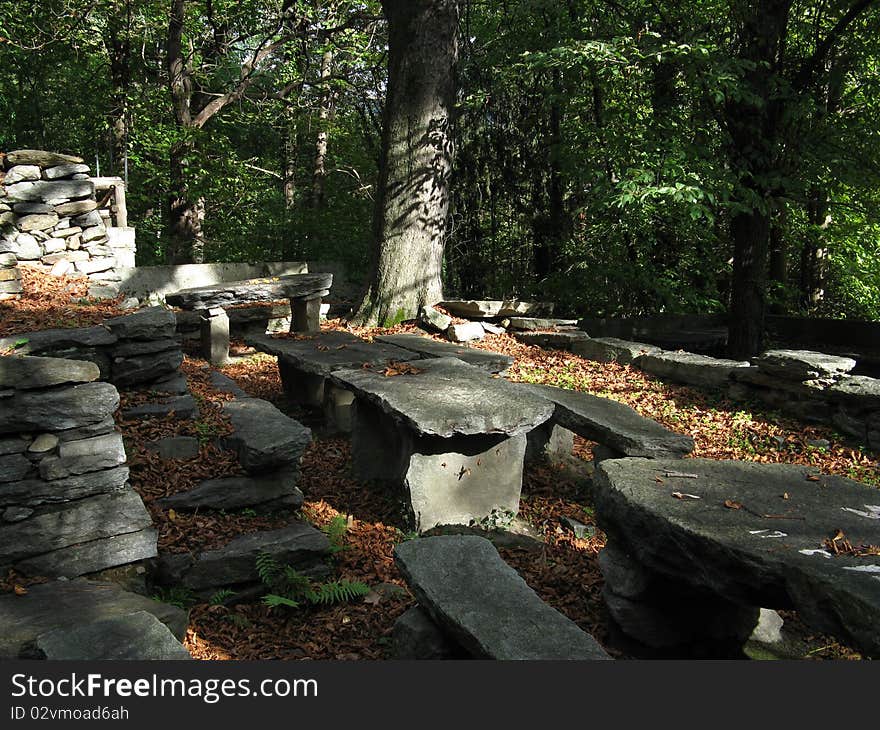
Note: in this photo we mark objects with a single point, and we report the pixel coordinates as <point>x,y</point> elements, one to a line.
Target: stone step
<point>483,603</point>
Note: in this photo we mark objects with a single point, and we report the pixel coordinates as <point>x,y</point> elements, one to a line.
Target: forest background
<point>618,158</point>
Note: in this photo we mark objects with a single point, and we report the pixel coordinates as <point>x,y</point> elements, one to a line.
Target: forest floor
<point>563,571</point>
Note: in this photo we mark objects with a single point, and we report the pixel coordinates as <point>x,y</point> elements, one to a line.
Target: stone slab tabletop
<point>447,397</point>
<point>494,362</point>
<point>266,289</point>
<point>752,533</point>
<point>613,424</point>
<point>324,352</point>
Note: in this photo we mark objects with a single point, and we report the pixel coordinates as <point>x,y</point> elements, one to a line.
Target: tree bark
<point>410,222</point>
<point>325,113</point>
<point>117,43</point>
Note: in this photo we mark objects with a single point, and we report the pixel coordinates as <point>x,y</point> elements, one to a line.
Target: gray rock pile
<point>50,217</point>
<point>137,350</point>
<point>66,508</point>
<point>10,276</point>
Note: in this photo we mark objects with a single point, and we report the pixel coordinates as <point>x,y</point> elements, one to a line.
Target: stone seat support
<point>303,290</point>
<point>446,435</point>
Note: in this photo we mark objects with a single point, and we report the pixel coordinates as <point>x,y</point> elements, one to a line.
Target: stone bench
<point>493,362</point>
<point>305,365</point>
<point>614,426</point>
<point>696,547</point>
<point>303,290</point>
<point>483,606</point>
<point>446,434</point>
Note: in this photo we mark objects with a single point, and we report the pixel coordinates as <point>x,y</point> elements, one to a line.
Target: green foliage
<point>221,597</point>
<point>336,530</point>
<point>179,596</point>
<point>289,588</point>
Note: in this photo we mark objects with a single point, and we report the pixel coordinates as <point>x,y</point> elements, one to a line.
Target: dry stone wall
<point>50,217</point>
<point>66,506</point>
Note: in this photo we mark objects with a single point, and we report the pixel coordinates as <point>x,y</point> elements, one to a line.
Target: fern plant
<point>336,530</point>
<point>221,597</point>
<point>289,588</point>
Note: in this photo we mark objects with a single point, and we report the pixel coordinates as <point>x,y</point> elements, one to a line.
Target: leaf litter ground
<point>563,571</point>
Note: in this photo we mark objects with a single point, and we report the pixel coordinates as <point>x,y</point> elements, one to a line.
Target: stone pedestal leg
<point>215,335</point>
<point>338,406</point>
<point>305,314</point>
<point>305,389</point>
<point>549,442</point>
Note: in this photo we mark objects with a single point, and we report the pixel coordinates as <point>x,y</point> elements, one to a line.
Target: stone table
<point>494,362</point>
<point>303,290</point>
<point>306,361</point>
<point>739,536</point>
<point>449,435</point>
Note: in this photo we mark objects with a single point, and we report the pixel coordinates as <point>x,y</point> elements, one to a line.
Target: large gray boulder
<point>494,362</point>
<point>299,545</point>
<point>263,436</point>
<point>858,391</point>
<point>67,604</point>
<point>231,493</point>
<point>612,424</point>
<point>462,582</point>
<point>130,371</point>
<point>132,636</point>
<point>54,410</point>
<point>689,368</point>
<point>752,534</point>
<point>800,365</point>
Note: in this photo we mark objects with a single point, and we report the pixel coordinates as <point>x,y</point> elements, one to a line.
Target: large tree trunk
<point>753,120</point>
<point>417,147</point>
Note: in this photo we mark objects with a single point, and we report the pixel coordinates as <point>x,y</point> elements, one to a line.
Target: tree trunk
<point>117,44</point>
<point>753,120</point>
<point>412,204</point>
<point>814,252</point>
<point>325,113</point>
<point>185,214</point>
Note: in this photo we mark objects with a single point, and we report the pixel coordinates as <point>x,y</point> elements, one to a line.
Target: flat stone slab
<point>530,324</point>
<point>689,368</point>
<point>230,493</point>
<point>466,587</point>
<point>131,636</point>
<point>494,362</point>
<point>803,365</point>
<point>496,308</point>
<point>251,290</point>
<point>152,323</point>
<point>67,605</point>
<point>28,373</point>
<point>263,436</point>
<point>743,540</point>
<point>613,424</point>
<point>322,353</point>
<point>182,406</point>
<point>448,397</point>
<point>47,341</point>
<point>54,410</point>
<point>299,545</point>
<point>612,349</point>
<point>551,340</point>
<point>856,390</point>
<point>34,492</point>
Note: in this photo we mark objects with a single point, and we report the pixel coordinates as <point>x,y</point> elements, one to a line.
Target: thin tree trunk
<point>415,163</point>
<point>325,113</point>
<point>117,44</point>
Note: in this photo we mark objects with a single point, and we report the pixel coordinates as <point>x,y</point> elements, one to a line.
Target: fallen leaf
<point>20,590</point>
<point>730,504</point>
<point>785,495</point>
<point>681,475</point>
<point>812,478</point>
<point>685,495</point>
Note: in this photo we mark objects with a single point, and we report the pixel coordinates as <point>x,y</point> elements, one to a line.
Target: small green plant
<point>205,432</point>
<point>289,588</point>
<point>497,519</point>
<point>248,512</point>
<point>405,536</point>
<point>336,530</point>
<point>176,596</point>
<point>221,597</point>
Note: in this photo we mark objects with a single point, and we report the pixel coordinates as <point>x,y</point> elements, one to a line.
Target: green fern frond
<point>221,597</point>
<point>273,601</point>
<point>294,583</point>
<point>340,591</point>
<point>267,568</point>
<point>335,531</point>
